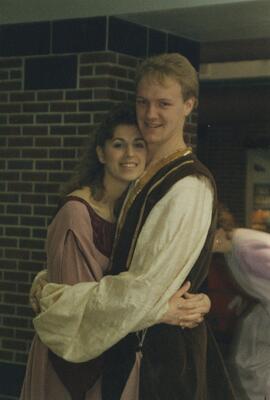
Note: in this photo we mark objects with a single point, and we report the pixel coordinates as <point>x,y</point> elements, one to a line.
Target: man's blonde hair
<point>171,65</point>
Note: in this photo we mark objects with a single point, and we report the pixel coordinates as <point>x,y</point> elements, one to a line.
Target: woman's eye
<point>117,145</point>
<point>139,145</point>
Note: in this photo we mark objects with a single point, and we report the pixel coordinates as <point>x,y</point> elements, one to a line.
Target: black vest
<point>175,361</point>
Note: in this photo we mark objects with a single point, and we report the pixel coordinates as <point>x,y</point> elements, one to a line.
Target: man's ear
<point>189,105</point>
<point>100,154</point>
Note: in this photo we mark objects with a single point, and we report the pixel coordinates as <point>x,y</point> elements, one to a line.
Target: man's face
<point>161,111</point>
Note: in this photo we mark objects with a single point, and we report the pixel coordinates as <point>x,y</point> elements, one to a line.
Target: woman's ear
<point>100,154</point>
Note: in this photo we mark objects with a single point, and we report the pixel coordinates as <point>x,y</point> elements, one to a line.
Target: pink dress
<point>79,244</point>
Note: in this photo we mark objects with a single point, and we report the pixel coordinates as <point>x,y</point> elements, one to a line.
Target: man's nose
<point>151,111</point>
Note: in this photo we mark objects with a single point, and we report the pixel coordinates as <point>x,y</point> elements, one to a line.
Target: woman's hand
<point>36,289</point>
<point>185,309</point>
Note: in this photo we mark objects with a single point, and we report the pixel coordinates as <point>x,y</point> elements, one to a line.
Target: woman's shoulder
<point>73,213</point>
<point>82,193</point>
<point>73,206</point>
<point>77,202</point>
<point>81,202</point>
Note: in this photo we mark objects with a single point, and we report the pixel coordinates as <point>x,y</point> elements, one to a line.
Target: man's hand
<point>185,309</point>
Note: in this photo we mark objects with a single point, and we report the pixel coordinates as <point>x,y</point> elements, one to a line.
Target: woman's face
<point>123,156</point>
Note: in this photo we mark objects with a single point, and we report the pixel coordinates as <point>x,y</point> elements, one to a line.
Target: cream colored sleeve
<point>82,321</point>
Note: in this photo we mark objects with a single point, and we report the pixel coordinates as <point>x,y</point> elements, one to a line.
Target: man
<point>164,236</point>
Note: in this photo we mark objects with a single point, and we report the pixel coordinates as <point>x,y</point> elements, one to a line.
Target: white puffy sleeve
<point>82,321</point>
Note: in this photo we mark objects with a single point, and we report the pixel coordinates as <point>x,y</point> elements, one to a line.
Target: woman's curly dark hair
<point>90,171</point>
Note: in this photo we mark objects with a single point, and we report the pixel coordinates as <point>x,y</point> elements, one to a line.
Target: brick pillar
<point>52,94</point>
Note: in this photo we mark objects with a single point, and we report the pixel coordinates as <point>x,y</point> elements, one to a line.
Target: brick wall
<point>41,134</point>
<point>52,95</point>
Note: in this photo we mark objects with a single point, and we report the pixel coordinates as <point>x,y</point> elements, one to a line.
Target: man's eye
<point>164,104</point>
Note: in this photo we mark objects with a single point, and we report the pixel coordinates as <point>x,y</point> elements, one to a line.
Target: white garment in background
<point>249,262</point>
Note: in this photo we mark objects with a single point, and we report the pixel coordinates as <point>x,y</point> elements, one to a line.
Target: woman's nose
<point>129,150</point>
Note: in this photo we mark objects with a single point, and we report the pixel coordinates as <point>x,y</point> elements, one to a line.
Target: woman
<point>81,235</point>
<point>247,253</point>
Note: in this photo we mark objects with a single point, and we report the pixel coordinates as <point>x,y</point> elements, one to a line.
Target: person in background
<point>247,254</point>
<point>79,244</point>
<point>227,298</point>
<point>164,237</point>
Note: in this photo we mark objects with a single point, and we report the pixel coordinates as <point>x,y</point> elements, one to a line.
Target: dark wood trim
<point>236,50</point>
